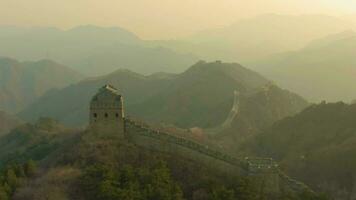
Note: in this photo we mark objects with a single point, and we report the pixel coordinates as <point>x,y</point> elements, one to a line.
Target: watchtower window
<point>117,115</point>
<point>95,115</point>
<point>106,115</point>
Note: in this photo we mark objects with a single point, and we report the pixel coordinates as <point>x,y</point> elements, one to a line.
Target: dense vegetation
<point>14,176</point>
<point>35,141</point>
<point>100,182</point>
<point>91,165</point>
<point>317,146</point>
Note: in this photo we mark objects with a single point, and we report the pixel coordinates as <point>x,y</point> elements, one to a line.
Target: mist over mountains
<point>309,54</point>
<point>265,43</point>
<point>186,100</point>
<point>90,50</point>
<point>259,37</point>
<point>23,82</point>
<point>290,61</point>
<point>323,70</point>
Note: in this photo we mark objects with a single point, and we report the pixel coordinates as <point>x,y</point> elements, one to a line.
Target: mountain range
<point>94,50</point>
<point>186,100</point>
<point>324,70</point>
<point>259,37</point>
<point>22,82</point>
<point>90,50</point>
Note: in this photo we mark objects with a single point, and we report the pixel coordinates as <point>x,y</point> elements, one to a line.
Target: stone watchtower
<point>107,111</point>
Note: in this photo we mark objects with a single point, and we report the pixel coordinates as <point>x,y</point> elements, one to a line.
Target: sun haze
<point>157,19</point>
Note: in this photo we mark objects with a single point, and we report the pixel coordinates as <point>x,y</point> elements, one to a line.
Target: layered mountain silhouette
<point>91,50</point>
<point>255,38</point>
<point>201,96</point>
<point>324,70</point>
<point>22,82</point>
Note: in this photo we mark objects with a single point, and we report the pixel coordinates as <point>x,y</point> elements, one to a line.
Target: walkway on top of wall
<point>250,165</point>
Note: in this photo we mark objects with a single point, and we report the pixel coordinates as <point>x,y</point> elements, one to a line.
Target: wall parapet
<point>250,166</point>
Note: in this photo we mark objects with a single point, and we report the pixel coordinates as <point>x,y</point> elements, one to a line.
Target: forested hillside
<point>53,162</point>
<point>201,96</point>
<point>316,146</point>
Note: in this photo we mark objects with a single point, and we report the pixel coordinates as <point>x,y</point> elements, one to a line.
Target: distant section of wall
<point>264,170</point>
<point>164,142</point>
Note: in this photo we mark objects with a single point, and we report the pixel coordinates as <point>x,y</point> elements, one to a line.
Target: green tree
<point>127,183</point>
<point>12,179</point>
<point>222,193</point>
<point>30,168</point>
<point>3,194</point>
<point>161,186</point>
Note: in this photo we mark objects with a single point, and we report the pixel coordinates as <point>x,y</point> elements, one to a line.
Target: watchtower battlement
<point>107,110</point>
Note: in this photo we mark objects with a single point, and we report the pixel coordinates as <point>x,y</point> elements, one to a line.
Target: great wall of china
<point>245,166</point>
<point>107,115</point>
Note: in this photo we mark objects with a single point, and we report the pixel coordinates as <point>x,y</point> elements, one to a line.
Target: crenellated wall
<point>164,142</point>
<point>265,170</point>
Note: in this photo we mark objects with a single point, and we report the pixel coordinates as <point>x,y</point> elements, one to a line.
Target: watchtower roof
<point>109,88</point>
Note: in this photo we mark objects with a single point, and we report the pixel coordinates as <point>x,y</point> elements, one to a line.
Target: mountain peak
<point>117,32</point>
<point>203,66</point>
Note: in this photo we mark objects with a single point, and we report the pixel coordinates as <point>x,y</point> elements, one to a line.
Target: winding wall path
<point>249,166</point>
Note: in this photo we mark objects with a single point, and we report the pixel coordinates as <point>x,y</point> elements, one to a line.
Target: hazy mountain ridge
<point>22,82</point>
<point>258,111</point>
<point>259,37</point>
<point>317,146</point>
<point>324,70</point>
<point>330,39</point>
<point>190,99</point>
<point>73,101</point>
<point>201,96</point>
<point>91,50</point>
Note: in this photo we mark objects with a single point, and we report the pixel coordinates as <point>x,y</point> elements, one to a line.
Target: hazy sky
<point>157,18</point>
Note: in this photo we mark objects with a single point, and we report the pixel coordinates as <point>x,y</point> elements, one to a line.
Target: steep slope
<point>324,70</point>
<point>254,38</point>
<point>316,146</point>
<point>75,164</point>
<point>22,82</point>
<point>7,123</point>
<point>35,141</point>
<point>72,102</point>
<point>256,112</point>
<point>201,96</point>
<point>91,50</point>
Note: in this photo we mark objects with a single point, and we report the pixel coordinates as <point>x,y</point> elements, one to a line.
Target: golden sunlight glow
<point>158,18</point>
